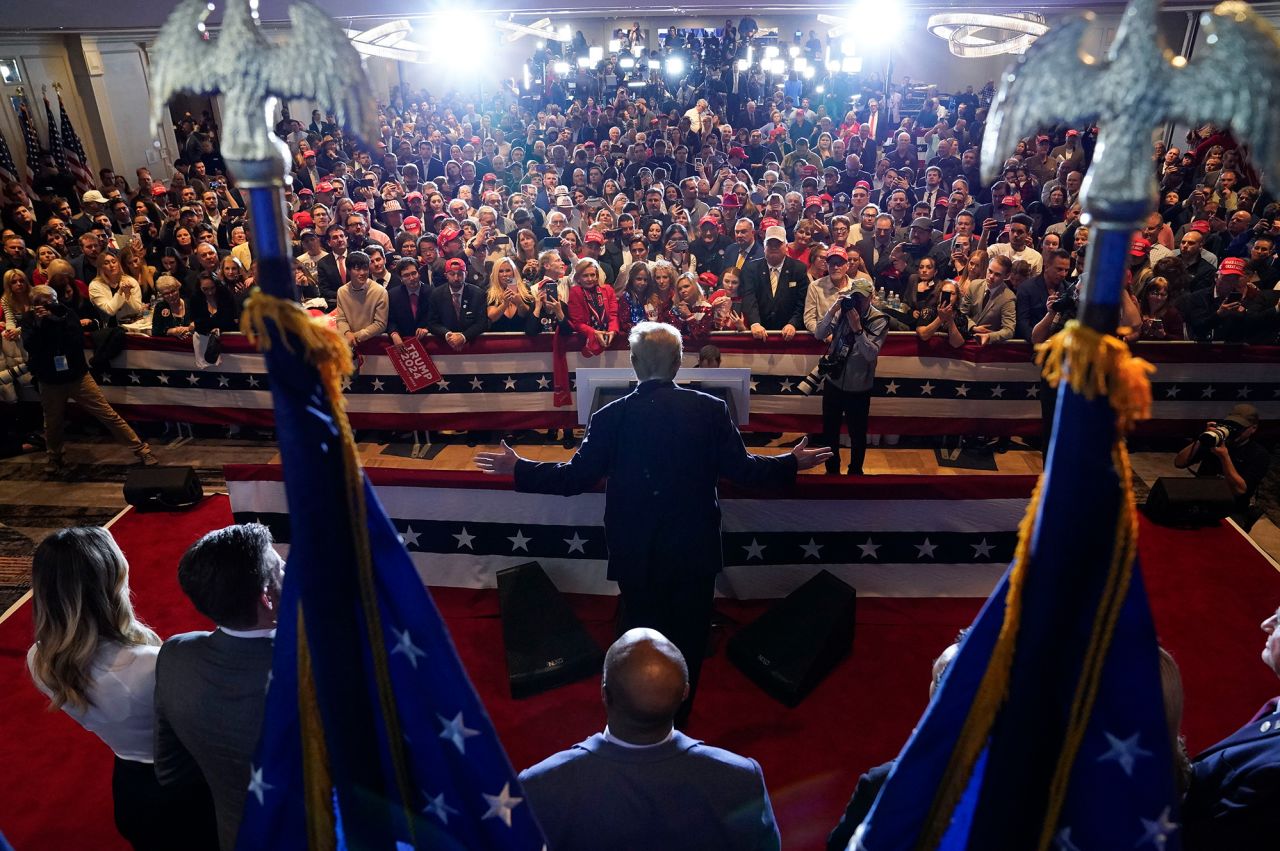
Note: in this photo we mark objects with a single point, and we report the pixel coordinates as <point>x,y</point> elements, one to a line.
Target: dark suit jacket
<point>855,812</point>
<point>1234,797</point>
<point>679,795</point>
<point>400,317</point>
<point>211,689</point>
<point>731,254</point>
<point>760,305</point>
<point>442,318</point>
<point>327,278</point>
<point>662,449</point>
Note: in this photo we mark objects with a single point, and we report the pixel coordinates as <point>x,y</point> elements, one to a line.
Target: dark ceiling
<point>88,15</point>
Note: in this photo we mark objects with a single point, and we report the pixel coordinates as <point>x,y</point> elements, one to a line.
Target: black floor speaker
<point>546,644</point>
<point>1186,501</point>
<point>791,647</point>
<point>162,488</point>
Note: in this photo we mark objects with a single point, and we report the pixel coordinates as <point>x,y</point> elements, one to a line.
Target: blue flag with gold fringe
<point>1049,730</point>
<point>373,735</point>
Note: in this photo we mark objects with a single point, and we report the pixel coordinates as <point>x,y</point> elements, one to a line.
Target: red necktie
<point>413,304</point>
<point>342,269</point>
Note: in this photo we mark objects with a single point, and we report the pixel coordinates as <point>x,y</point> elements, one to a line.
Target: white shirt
<point>614,740</point>
<point>1029,254</point>
<point>121,696</point>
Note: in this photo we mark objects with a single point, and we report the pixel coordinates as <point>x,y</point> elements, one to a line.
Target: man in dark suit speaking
<point>662,449</point>
<point>642,784</point>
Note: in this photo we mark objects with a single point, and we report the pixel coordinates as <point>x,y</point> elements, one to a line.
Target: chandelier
<point>977,34</point>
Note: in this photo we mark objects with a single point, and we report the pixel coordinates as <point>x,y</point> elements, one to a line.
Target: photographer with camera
<point>1226,449</point>
<point>857,331</point>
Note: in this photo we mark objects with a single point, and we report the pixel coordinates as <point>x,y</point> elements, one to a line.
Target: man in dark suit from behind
<point>774,289</point>
<point>1234,797</point>
<point>642,784</point>
<point>663,449</point>
<point>211,687</point>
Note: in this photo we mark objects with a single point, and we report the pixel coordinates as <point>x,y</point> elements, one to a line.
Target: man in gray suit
<point>990,306</point>
<point>211,686</point>
<point>642,783</point>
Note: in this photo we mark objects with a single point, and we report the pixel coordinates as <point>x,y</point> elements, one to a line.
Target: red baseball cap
<point>448,234</point>
<point>709,280</point>
<point>862,184</point>
<point>594,236</point>
<point>360,206</point>
<point>1231,266</point>
<point>413,224</point>
<point>413,195</point>
<point>490,176</point>
<point>455,264</point>
<point>730,200</point>
<point>769,222</point>
<point>1200,226</point>
<point>813,201</point>
<point>158,190</point>
<point>303,219</point>
<point>738,152</point>
<point>1073,132</point>
<point>837,251</point>
<point>1139,247</point>
<point>324,186</point>
<point>309,155</point>
<point>1011,201</point>
<point>709,220</point>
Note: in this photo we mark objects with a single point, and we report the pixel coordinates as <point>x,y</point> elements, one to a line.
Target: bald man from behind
<point>642,784</point>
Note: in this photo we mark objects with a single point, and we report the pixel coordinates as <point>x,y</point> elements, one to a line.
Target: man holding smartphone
<point>1231,311</point>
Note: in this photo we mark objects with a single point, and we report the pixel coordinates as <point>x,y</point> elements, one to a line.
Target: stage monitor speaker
<point>1186,501</point>
<point>162,488</point>
<point>791,647</point>
<point>546,645</point>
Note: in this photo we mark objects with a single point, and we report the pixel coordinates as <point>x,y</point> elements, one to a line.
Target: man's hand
<point>350,337</point>
<point>981,329</point>
<point>456,340</point>
<point>498,463</point>
<point>788,331</point>
<point>1229,309</point>
<point>805,457</point>
<point>395,339</point>
<point>757,331</point>
<point>854,319</point>
<point>947,313</point>
<point>983,339</point>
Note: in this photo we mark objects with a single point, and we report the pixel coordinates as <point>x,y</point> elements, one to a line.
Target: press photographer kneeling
<point>857,331</point>
<point>1226,449</point>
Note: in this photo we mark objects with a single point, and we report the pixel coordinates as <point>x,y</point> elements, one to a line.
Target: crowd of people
<point>182,717</point>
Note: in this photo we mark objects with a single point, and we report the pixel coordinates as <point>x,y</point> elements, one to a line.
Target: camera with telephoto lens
<point>1067,301</point>
<point>1218,434</point>
<point>829,366</point>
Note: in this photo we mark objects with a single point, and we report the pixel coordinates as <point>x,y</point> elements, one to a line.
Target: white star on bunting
<point>754,550</point>
<point>346,383</point>
<point>997,392</point>
<point>576,543</point>
<point>443,384</point>
<point>1062,841</point>
<point>252,381</point>
<point>135,378</point>
<point>925,550</point>
<point>193,379</point>
<point>519,541</point>
<point>813,548</point>
<point>1243,392</point>
<point>1033,392</point>
<point>106,378</point>
<point>1124,751</point>
<point>501,804</point>
<point>464,540</point>
<point>378,384</point>
<point>982,550</point>
<point>257,786</point>
<point>926,389</point>
<point>754,387</point>
<point>543,382</point>
<point>1207,393</point>
<point>164,379</point>
<point>963,390</point>
<point>223,381</point>
<point>476,383</point>
<point>869,549</point>
<point>1172,392</point>
<point>406,647</point>
<point>456,731</point>
<point>786,385</point>
<point>410,537</point>
<point>509,383</point>
<point>891,389</point>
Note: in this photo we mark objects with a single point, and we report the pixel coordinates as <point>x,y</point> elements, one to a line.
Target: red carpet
<point>1210,590</point>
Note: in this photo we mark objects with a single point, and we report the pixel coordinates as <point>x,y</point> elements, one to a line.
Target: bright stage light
<point>561,68</point>
<point>527,76</point>
<point>793,51</point>
<point>743,65</point>
<point>833,66</point>
<point>675,66</point>
<point>848,46</point>
<point>636,50</point>
<point>626,63</point>
<point>540,44</point>
<point>771,51</point>
<point>821,89</point>
<point>778,66</point>
<point>584,61</point>
<point>454,35</point>
<point>851,64</point>
<point>799,63</point>
<point>808,73</point>
<point>881,21</point>
<point>615,45</point>
<point>654,64</point>
<point>596,54</point>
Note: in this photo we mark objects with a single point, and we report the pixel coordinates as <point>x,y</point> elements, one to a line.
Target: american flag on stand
<point>77,159</point>
<point>32,142</point>
<point>8,171</point>
<point>55,145</point>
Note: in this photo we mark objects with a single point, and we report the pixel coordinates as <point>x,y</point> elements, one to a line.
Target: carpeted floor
<point>1209,589</point>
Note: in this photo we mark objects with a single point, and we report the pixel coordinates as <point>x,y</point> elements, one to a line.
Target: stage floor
<point>1209,590</point>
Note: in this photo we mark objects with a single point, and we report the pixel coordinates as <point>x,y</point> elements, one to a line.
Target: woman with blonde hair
<point>510,302</point>
<point>16,300</point>
<point>662,291</point>
<point>45,255</point>
<point>134,262</point>
<point>96,661</point>
<point>117,296</point>
<point>974,270</point>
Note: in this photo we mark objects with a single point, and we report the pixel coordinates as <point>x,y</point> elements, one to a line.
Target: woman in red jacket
<point>593,307</point>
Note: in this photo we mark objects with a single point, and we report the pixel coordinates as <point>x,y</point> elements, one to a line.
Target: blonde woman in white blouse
<point>114,293</point>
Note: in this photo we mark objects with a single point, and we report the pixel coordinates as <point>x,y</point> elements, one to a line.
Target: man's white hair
<point>655,350</point>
